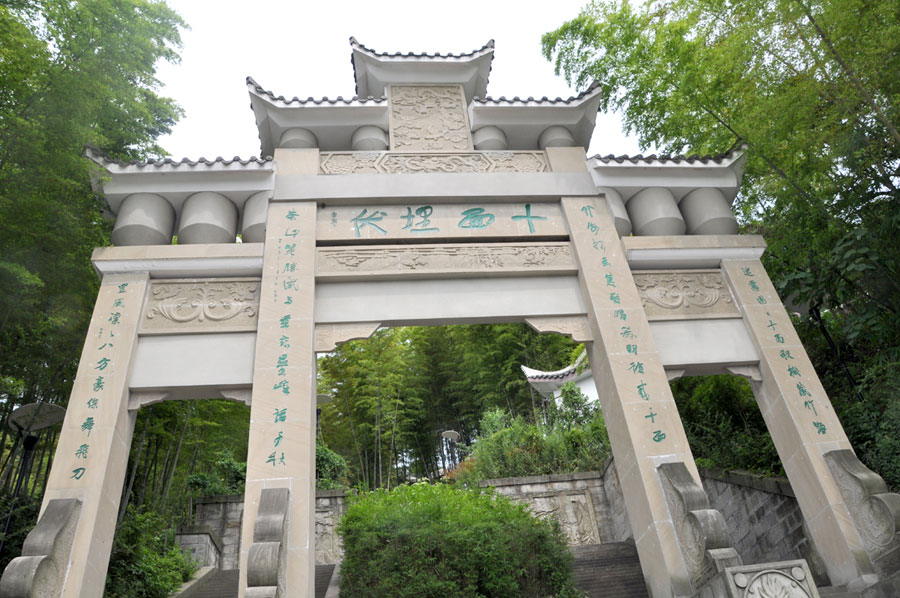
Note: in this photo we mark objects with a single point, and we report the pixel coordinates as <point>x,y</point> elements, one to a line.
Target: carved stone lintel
<point>783,579</point>
<point>674,374</point>
<point>701,530</point>
<point>40,570</point>
<point>395,261</point>
<point>265,562</point>
<point>428,118</point>
<point>237,394</point>
<point>688,294</point>
<point>575,327</point>
<point>211,305</point>
<point>750,372</point>
<point>143,398</point>
<point>329,336</point>
<point>458,162</point>
<point>875,511</point>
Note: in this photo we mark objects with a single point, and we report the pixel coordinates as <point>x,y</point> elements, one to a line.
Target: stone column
<point>281,451</point>
<point>801,421</point>
<point>645,430</point>
<point>92,453</point>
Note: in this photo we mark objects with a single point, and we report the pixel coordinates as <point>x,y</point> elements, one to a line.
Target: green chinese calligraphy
<point>102,364</point>
<point>747,272</point>
<point>291,232</point>
<point>334,218</point>
<point>651,416</point>
<point>88,425</point>
<point>273,457</point>
<point>282,364</point>
<point>626,332</point>
<point>78,473</point>
<point>589,210</point>
<point>291,215</point>
<point>93,403</point>
<point>122,288</point>
<point>636,367</point>
<point>82,452</point>
<point>599,245</point>
<point>290,248</point>
<point>114,317</point>
<point>793,372</point>
<point>475,218</point>
<point>284,341</point>
<point>659,436</point>
<point>279,438</point>
<point>820,427</point>
<point>610,281</point>
<point>778,339</point>
<point>118,303</point>
<point>614,297</point>
<point>98,384</point>
<point>785,354</point>
<point>811,406</point>
<point>753,285</point>
<point>620,314</point>
<point>633,349</point>
<point>289,300</point>
<point>283,386</point>
<point>280,415</point>
<point>290,267</point>
<point>529,217</point>
<point>642,391</point>
<point>605,262</point>
<point>285,321</point>
<point>801,389</point>
<point>593,228</point>
<point>105,345</point>
<point>365,219</point>
<point>422,226</point>
<point>290,284</point>
<point>761,300</point>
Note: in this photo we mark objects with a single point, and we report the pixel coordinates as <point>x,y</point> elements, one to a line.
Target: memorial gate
<point>422,201</point>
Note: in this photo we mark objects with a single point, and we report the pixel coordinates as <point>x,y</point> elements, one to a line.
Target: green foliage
<point>145,562</point>
<point>425,540</point>
<point>724,425</point>
<point>227,476</point>
<point>331,469</point>
<point>23,514</point>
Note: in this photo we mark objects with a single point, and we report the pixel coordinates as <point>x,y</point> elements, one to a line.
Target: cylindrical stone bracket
<point>617,207</point>
<point>298,138</point>
<point>144,219</point>
<point>490,138</point>
<point>653,211</point>
<point>367,138</point>
<point>556,136</point>
<point>207,217</point>
<point>253,227</point>
<point>707,212</point>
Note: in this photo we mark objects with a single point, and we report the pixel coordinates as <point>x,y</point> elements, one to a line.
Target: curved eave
<point>373,71</point>
<point>331,121</point>
<point>236,179</point>
<point>680,174</point>
<point>524,120</point>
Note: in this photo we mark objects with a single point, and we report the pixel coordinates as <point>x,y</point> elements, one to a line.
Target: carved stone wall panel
<point>394,163</point>
<point>679,295</point>
<point>209,305</point>
<point>574,511</point>
<point>784,579</point>
<point>428,118</point>
<point>393,261</point>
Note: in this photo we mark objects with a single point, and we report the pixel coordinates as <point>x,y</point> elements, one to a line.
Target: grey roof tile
<point>317,101</point>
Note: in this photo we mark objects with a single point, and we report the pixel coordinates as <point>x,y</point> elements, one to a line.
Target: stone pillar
<point>92,453</point>
<point>802,423</point>
<point>645,431</point>
<point>281,451</point>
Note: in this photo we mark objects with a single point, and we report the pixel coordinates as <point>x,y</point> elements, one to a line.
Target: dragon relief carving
<point>428,118</point>
<point>674,293</point>
<point>399,259</point>
<point>394,163</point>
<point>200,303</point>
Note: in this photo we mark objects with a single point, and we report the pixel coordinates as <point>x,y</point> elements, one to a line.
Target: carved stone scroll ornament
<point>533,258</point>
<point>672,295</point>
<point>329,336</point>
<point>701,530</point>
<point>399,163</point>
<point>575,327</point>
<point>201,304</point>
<point>875,511</point>
<point>40,570</point>
<point>428,118</point>
<point>265,562</point>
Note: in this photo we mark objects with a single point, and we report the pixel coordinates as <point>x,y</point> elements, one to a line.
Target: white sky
<point>301,48</point>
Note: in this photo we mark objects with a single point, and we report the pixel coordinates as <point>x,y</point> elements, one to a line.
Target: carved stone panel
<point>574,512</point>
<point>210,305</point>
<point>393,163</point>
<point>393,261</point>
<point>685,295</point>
<point>428,118</point>
<point>784,579</point>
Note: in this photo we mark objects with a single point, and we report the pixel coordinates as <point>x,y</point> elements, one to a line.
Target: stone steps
<point>602,570</point>
<point>609,571</point>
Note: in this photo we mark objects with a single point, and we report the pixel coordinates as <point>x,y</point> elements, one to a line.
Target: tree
<point>71,74</point>
<point>810,87</point>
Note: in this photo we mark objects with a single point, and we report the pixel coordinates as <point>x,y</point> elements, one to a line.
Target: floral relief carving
<point>679,294</point>
<point>783,579</point>
<point>573,512</point>
<point>411,259</point>
<point>202,304</point>
<point>400,163</point>
<point>428,118</point>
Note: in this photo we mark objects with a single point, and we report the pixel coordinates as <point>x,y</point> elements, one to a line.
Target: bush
<point>445,541</point>
<point>23,514</point>
<point>332,470</point>
<point>145,561</point>
<point>227,477</point>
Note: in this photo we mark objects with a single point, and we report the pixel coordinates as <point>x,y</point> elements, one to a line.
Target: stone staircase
<point>602,570</point>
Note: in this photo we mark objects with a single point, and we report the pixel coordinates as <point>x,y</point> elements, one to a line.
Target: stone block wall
<point>202,542</point>
<point>330,507</point>
<point>223,514</point>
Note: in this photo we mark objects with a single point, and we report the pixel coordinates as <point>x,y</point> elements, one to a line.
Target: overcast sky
<point>301,48</point>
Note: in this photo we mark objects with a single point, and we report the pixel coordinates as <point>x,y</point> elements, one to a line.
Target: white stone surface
<point>144,219</point>
<point>617,207</point>
<point>207,217</point>
<point>189,360</point>
<point>706,211</point>
<point>653,212</point>
<point>369,138</point>
<point>556,136</point>
<point>253,225</point>
<point>490,138</point>
<point>298,138</point>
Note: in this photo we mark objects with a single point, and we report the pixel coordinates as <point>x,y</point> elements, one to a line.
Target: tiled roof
<point>677,159</point>
<point>100,157</point>
<point>485,47</point>
<point>295,100</point>
<point>544,100</point>
<point>535,375</point>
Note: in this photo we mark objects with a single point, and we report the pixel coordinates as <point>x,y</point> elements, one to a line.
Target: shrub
<point>145,561</point>
<point>442,540</point>
<point>332,470</point>
<point>23,514</point>
<point>227,476</point>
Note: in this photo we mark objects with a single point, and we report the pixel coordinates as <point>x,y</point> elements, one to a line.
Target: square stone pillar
<point>644,428</point>
<point>282,447</point>
<point>92,453</point>
<point>802,422</point>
